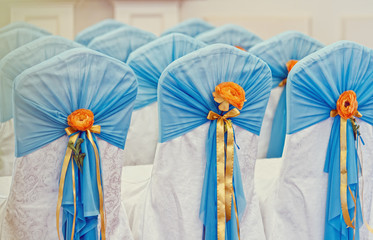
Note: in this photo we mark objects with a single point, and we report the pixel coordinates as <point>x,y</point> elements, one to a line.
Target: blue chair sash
<point>232,35</point>
<point>25,57</point>
<point>108,91</point>
<point>13,39</point>
<point>18,25</point>
<point>185,99</point>
<point>276,52</point>
<point>166,50</point>
<point>314,86</point>
<point>98,29</point>
<point>191,27</point>
<point>121,42</point>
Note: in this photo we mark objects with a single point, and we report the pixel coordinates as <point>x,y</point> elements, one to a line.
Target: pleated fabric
<point>121,42</point>
<point>276,52</point>
<point>17,25</point>
<point>87,35</point>
<point>191,27</point>
<point>232,35</point>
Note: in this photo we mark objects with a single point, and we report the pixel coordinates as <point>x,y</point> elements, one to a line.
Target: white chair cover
<point>30,211</point>
<point>173,198</point>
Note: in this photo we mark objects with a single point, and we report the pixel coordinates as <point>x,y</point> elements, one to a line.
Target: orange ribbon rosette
<point>226,93</point>
<point>229,93</point>
<point>289,65</point>
<point>80,120</point>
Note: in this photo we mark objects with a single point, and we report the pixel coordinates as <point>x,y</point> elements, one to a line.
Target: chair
<point>191,27</point>
<point>11,66</point>
<point>19,25</point>
<point>232,35</point>
<point>121,42</point>
<point>277,52</point>
<point>318,177</point>
<point>72,84</point>
<point>148,63</point>
<point>13,39</point>
<point>181,198</point>
<point>87,35</point>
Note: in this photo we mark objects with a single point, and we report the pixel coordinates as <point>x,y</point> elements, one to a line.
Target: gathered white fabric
<point>30,211</point>
<point>265,132</point>
<point>296,209</point>
<point>143,131</point>
<point>173,197</point>
<point>6,148</point>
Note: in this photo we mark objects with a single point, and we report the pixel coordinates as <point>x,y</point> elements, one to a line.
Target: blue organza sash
<point>314,87</point>
<point>40,117</point>
<point>25,57</point>
<point>165,50</point>
<point>96,30</point>
<point>185,99</point>
<point>232,35</point>
<point>276,52</point>
<point>121,42</point>
<point>191,27</point>
<point>13,39</point>
<point>19,25</point>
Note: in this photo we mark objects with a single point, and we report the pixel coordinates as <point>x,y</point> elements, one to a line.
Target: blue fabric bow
<point>44,97</point>
<point>149,61</point>
<point>96,30</point>
<point>121,42</point>
<point>191,27</point>
<point>232,35</point>
<point>185,99</point>
<point>314,86</point>
<point>276,52</point>
<point>25,57</point>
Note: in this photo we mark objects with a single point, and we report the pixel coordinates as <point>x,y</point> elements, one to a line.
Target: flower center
<point>347,103</point>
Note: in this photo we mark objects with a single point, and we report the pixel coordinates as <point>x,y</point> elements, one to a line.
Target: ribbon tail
<point>343,167</point>
<point>220,179</point>
<point>229,170</point>
<point>65,165</point>
<point>99,186</point>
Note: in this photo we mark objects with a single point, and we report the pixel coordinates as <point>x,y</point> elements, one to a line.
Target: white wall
<point>326,20</point>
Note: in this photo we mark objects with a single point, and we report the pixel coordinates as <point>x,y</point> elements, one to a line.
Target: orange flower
<point>290,64</point>
<point>241,48</point>
<point>229,93</point>
<point>347,104</point>
<point>81,119</point>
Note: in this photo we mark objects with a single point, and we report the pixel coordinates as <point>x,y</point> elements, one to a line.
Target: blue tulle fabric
<point>13,39</point>
<point>185,99</point>
<point>314,86</point>
<point>149,61</point>
<point>18,25</point>
<point>121,42</point>
<point>276,52</point>
<point>44,96</point>
<point>191,27</point>
<point>96,30</point>
<point>232,35</point>
<point>25,57</point>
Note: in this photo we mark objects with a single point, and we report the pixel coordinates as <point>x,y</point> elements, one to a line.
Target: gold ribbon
<point>343,170</point>
<point>224,180</point>
<point>283,82</point>
<point>66,162</point>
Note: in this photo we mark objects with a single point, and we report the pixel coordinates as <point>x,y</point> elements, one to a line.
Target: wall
<point>326,20</point>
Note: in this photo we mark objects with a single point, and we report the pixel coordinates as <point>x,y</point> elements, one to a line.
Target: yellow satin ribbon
<point>283,82</point>
<point>343,170</point>
<point>225,191</point>
<point>66,162</point>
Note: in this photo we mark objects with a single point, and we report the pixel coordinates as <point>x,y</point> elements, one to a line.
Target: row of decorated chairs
<point>206,106</point>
